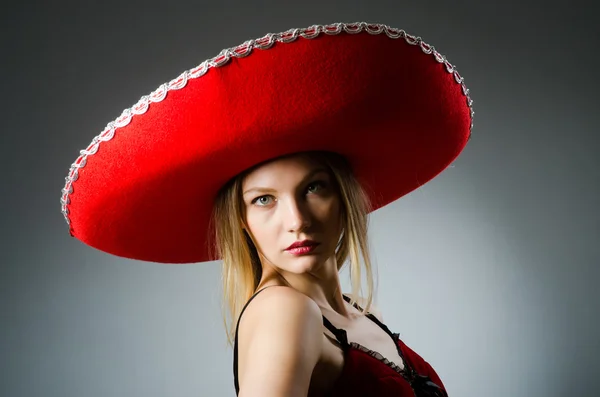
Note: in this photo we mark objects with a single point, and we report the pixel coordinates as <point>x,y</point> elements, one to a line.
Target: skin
<point>281,332</point>
<point>282,347</point>
<point>300,202</point>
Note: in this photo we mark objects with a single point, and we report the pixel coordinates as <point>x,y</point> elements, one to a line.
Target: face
<point>292,199</point>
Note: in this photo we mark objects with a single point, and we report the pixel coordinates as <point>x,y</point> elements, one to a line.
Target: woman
<point>311,199</point>
<point>270,157</point>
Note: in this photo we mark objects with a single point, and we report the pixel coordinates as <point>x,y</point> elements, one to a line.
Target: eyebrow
<point>266,189</point>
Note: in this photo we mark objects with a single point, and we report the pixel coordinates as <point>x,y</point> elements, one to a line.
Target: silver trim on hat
<point>241,51</point>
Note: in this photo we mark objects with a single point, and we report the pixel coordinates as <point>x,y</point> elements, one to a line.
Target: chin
<point>305,264</point>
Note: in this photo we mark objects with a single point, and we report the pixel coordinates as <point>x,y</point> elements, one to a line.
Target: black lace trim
<point>407,372</point>
<point>380,357</point>
<point>422,385</point>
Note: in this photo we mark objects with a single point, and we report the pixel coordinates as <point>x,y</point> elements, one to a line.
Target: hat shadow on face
<point>309,162</point>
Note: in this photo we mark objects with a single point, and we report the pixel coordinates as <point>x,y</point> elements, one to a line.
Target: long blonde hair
<point>241,266</point>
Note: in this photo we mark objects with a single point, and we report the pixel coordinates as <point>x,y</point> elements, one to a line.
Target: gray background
<point>489,272</point>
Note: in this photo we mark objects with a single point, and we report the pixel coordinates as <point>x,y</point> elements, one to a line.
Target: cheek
<point>253,223</point>
<point>332,216</point>
<point>259,233</point>
<point>335,210</point>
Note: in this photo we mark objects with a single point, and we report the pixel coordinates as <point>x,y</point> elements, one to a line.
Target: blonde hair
<point>241,266</point>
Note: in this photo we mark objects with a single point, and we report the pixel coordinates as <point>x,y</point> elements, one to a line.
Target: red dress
<point>368,373</point>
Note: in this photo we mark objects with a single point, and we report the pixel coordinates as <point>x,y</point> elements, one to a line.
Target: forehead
<point>290,167</point>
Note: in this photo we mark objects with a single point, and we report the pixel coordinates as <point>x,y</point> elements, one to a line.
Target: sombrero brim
<point>391,104</point>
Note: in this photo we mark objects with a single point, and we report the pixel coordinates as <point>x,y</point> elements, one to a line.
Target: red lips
<point>303,243</point>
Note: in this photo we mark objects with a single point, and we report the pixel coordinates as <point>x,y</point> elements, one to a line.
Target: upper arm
<point>279,344</point>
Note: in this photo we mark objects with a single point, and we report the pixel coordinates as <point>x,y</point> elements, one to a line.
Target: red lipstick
<point>303,243</point>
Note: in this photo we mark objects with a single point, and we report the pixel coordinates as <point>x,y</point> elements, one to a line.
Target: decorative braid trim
<point>241,51</point>
<point>402,371</point>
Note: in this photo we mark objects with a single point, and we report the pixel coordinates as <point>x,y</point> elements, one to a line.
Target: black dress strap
<point>394,336</point>
<point>372,317</point>
<point>422,385</point>
<point>340,334</point>
<point>235,344</point>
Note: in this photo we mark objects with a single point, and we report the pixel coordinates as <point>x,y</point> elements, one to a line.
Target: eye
<point>313,188</point>
<point>261,200</point>
<point>316,185</point>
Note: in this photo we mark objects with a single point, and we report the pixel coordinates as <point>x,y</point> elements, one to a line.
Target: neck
<point>322,286</point>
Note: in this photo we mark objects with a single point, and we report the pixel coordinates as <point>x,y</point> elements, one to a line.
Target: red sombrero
<point>387,101</point>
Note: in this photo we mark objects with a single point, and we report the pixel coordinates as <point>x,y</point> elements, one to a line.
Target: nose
<point>297,215</point>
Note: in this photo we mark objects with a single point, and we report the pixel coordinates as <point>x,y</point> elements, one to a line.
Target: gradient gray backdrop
<point>490,272</point>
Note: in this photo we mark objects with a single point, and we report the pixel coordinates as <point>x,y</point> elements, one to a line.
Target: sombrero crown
<point>390,103</point>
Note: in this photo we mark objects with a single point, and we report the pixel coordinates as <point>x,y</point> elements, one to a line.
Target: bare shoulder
<point>279,343</point>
